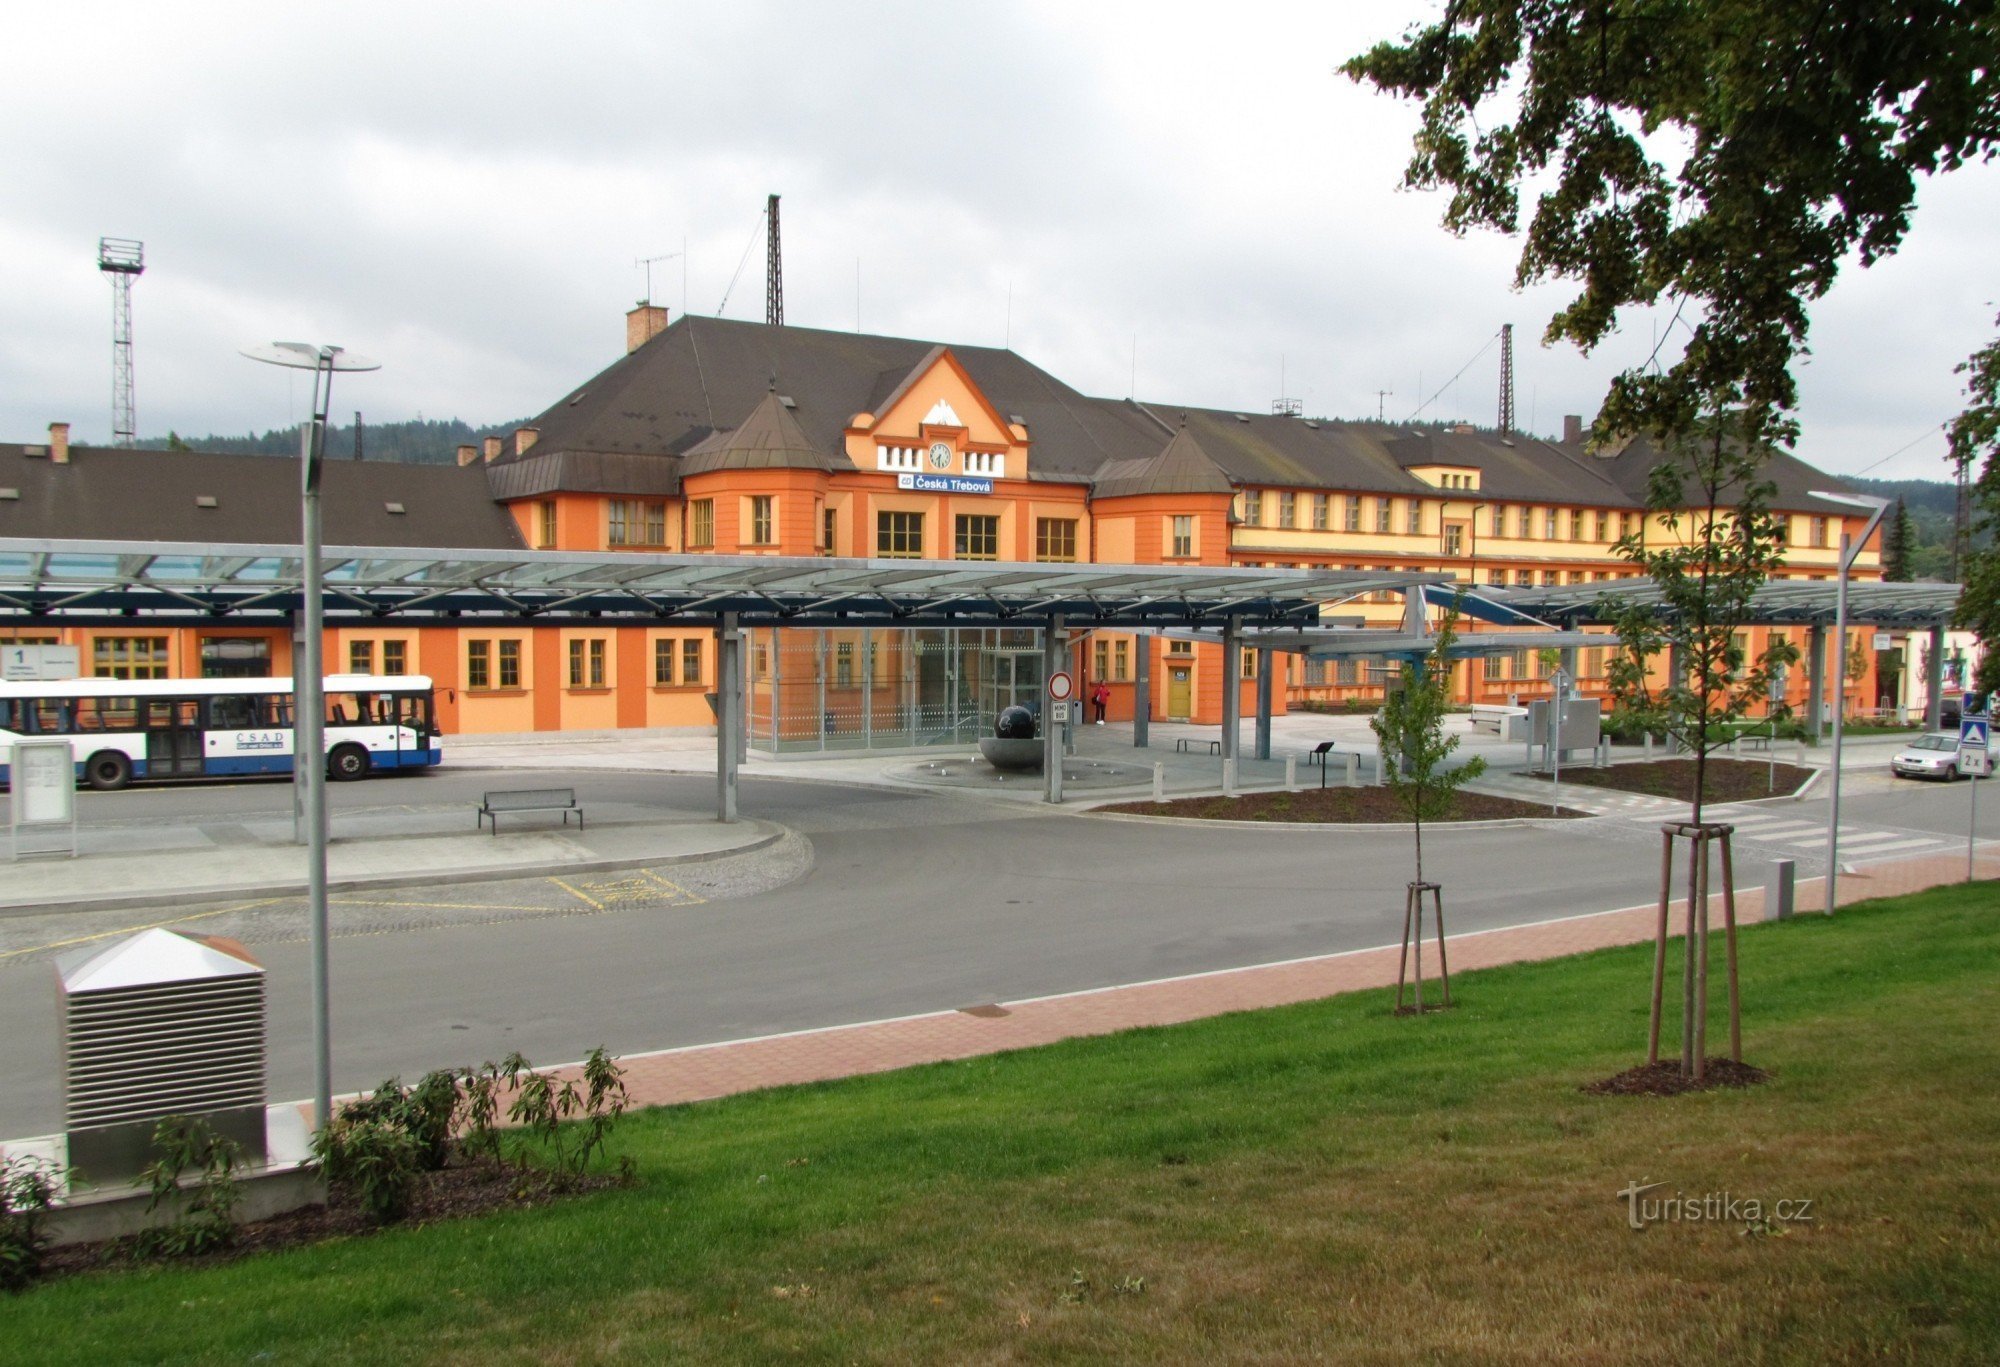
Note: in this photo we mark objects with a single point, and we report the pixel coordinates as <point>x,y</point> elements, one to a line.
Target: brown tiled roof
<point>1181,467</point>
<point>113,494</point>
<point>769,439</point>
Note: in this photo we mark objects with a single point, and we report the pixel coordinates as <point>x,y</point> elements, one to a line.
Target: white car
<point>1930,756</point>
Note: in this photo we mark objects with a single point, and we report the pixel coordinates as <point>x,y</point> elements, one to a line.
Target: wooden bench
<point>1181,744</point>
<point>530,800</point>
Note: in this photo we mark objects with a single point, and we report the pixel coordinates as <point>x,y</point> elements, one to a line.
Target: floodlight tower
<point>1506,379</point>
<point>124,260</point>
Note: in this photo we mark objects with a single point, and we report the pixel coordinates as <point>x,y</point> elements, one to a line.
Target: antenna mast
<point>774,268</point>
<point>123,260</point>
<point>1506,379</point>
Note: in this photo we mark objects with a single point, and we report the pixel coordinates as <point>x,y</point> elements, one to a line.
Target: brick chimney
<point>642,325</point>
<point>467,454</point>
<point>524,437</point>
<point>59,442</point>
<point>1572,427</point>
<point>493,445</point>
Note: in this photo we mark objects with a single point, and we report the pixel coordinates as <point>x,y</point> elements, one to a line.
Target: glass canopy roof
<point>165,582</point>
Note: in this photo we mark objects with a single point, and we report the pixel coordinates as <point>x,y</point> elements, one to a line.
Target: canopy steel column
<point>1142,690</point>
<point>1264,662</point>
<point>1052,747</point>
<point>1816,679</point>
<point>1232,689</point>
<point>1934,682</point>
<point>728,702</point>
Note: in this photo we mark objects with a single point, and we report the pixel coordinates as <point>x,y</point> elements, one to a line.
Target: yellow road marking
<point>430,906</point>
<point>578,893</point>
<point>150,925</point>
<point>669,884</point>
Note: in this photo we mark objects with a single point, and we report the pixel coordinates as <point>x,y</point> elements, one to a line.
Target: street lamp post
<point>309,684</point>
<point>1850,550</point>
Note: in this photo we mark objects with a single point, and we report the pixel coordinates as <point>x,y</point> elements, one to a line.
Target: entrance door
<point>1180,692</point>
<point>173,737</point>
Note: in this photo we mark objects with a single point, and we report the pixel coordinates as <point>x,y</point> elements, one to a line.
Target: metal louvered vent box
<point>160,1024</point>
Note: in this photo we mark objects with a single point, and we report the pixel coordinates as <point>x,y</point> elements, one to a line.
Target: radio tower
<point>123,260</point>
<point>1506,379</point>
<point>774,268</point>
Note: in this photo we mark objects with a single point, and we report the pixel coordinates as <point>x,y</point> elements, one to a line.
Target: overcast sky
<point>1185,197</point>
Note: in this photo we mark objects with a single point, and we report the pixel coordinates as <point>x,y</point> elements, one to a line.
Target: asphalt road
<point>914,902</point>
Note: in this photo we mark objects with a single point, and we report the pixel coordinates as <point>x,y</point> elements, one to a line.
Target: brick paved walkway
<point>711,1070</point>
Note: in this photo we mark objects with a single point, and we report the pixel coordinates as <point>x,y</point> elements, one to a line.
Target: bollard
<point>1291,773</point>
<point>1604,752</point>
<point>1229,777</point>
<point>1778,892</point>
<point>1353,763</point>
<point>1649,744</point>
<point>1159,781</point>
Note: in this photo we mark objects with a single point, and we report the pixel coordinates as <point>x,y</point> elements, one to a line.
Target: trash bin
<point>156,1025</point>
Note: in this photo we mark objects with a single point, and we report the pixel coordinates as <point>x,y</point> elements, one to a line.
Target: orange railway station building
<point>716,437</point>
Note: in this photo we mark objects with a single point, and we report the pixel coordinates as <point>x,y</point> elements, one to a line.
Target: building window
<point>1604,526</point>
<point>1416,517</point>
<point>663,662</point>
<point>1454,539</point>
<point>829,527</point>
<point>586,663</point>
<point>129,657</point>
<point>1183,547</point>
<point>760,519</point>
<point>1493,666</point>
<point>976,536</point>
<point>510,664</point>
<point>691,660</point>
<point>1347,672</point>
<point>1180,647</point>
<point>635,522</point>
<point>1552,525</point>
<point>545,523</point>
<point>1121,660</point>
<point>1819,532</point>
<point>1385,515</point>
<point>1524,578</point>
<point>843,664</point>
<point>1576,524</point>
<point>395,657</point>
<point>1352,520</point>
<point>1551,578</point>
<point>1288,509</point>
<point>1253,508</point>
<point>360,657</point>
<point>1497,578</point>
<point>478,664</point>
<point>1249,665</point>
<point>899,536</point>
<point>701,522</point>
<point>1055,538</point>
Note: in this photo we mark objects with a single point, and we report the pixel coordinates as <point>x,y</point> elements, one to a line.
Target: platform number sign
<point>1974,736</point>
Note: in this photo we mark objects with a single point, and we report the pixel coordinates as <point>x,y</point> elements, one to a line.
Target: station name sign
<point>944,484</point>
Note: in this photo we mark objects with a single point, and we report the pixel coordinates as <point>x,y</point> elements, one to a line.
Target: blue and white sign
<point>944,484</point>
<point>1975,734</point>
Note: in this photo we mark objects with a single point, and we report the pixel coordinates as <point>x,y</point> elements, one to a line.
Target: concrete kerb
<point>1359,827</point>
<point>768,833</point>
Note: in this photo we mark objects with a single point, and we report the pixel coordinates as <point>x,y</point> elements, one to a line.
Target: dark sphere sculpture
<point>1014,723</point>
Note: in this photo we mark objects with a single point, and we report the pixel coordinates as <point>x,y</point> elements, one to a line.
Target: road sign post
<point>1975,761</point>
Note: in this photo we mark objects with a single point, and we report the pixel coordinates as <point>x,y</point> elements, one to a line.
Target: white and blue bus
<point>125,729</point>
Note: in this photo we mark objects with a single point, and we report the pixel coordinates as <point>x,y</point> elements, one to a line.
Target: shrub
<point>205,1215</point>
<point>379,1159</point>
<point>27,1194</point>
<point>427,1113</point>
<point>544,1108</point>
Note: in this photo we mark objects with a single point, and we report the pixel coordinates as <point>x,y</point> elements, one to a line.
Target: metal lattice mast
<point>123,260</point>
<point>774,268</point>
<point>1506,379</point>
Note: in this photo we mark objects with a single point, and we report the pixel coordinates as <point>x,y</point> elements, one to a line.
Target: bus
<point>125,729</point>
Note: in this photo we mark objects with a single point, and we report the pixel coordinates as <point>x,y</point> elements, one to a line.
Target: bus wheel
<point>347,762</point>
<point>107,770</point>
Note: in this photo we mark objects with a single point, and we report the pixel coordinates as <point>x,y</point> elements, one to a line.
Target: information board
<point>42,778</point>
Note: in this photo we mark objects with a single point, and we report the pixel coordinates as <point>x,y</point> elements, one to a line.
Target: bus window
<point>233,713</point>
<point>10,715</point>
<point>49,716</point>
<point>171,714</point>
<point>416,712</point>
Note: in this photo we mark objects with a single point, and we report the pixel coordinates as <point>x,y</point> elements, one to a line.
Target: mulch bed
<point>1729,780</point>
<point>452,1193</point>
<point>1333,805</point>
<point>1664,1079</point>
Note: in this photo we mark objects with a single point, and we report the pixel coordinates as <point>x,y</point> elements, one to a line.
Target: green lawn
<point>1317,1181</point>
